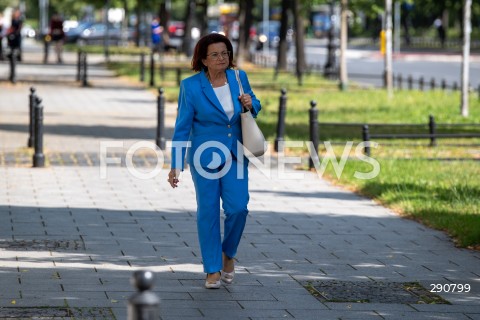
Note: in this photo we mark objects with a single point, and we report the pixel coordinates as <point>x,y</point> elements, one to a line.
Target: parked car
<point>72,34</point>
<point>28,31</point>
<point>214,26</point>
<point>95,34</point>
<point>231,29</point>
<point>176,32</point>
<point>270,35</point>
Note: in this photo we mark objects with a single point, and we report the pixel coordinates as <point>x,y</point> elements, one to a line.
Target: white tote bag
<point>253,139</point>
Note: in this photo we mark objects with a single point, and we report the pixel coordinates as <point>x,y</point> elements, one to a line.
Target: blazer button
<point>229,135</point>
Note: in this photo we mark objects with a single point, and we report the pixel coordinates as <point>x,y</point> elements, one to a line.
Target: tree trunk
<point>106,36</point>
<point>467,30</point>
<point>187,38</point>
<point>164,15</point>
<point>241,34</point>
<point>204,23</point>
<point>388,48</point>
<point>299,41</point>
<point>445,21</point>
<point>245,19</point>
<point>127,14</point>
<point>461,17</point>
<point>330,67</point>
<point>283,45</point>
<point>247,25</point>
<point>343,45</point>
<point>138,12</point>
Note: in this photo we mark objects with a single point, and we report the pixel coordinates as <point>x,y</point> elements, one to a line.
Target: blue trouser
<point>232,189</point>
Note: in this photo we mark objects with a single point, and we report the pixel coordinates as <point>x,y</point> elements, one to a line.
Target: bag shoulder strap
<point>237,75</point>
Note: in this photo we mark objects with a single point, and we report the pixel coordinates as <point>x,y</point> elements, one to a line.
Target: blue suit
<point>218,166</point>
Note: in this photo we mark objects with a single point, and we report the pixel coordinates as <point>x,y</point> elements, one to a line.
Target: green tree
<point>245,18</point>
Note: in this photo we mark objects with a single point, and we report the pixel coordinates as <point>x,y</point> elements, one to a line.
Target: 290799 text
<point>450,287</point>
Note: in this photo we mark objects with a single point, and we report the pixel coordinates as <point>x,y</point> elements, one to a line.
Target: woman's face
<point>218,58</point>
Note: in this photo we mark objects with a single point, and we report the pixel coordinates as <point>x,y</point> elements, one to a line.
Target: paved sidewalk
<point>72,234</point>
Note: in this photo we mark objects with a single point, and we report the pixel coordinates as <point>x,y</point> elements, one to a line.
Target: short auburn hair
<point>201,49</point>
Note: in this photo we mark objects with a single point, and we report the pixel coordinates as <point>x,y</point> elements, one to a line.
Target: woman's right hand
<point>173,176</point>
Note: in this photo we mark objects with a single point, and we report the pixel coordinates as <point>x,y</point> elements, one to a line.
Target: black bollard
<point>421,83</point>
<point>455,86</point>
<point>399,82</point>
<point>314,138</point>
<point>152,70</point>
<point>179,76</point>
<point>433,85</point>
<point>162,71</point>
<point>160,140</point>
<point>282,110</point>
<point>432,129</point>
<point>143,305</point>
<point>142,67</point>
<point>46,44</point>
<point>31,127</point>
<point>38,157</point>
<point>12,57</point>
<point>366,139</point>
<point>410,82</point>
<point>84,70</point>
<point>79,65</point>
<point>444,84</point>
<point>331,64</point>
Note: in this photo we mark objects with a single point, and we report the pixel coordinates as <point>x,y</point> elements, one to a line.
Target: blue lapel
<point>234,89</point>
<point>210,94</point>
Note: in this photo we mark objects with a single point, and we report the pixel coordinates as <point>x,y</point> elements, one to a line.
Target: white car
<point>28,31</point>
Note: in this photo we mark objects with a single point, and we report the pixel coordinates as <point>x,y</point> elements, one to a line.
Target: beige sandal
<point>227,277</point>
<point>215,284</point>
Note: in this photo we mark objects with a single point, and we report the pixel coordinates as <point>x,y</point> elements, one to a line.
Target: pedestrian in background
<point>14,35</point>
<point>157,31</point>
<point>209,108</point>
<point>440,30</point>
<point>57,35</point>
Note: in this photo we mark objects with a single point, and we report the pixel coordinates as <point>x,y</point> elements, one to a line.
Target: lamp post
<point>266,27</point>
<point>330,65</point>
<point>388,47</point>
<point>397,26</point>
<point>43,9</point>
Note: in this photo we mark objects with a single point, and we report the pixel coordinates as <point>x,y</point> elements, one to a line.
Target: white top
<point>225,97</point>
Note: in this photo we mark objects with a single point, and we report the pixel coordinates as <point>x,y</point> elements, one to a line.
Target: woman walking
<point>209,108</point>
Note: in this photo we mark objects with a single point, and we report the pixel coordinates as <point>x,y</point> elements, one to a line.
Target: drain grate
<point>38,313</point>
<point>24,159</point>
<point>373,292</point>
<point>53,312</point>
<point>45,244</point>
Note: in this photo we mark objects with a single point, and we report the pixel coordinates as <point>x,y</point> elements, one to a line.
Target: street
<point>435,65</point>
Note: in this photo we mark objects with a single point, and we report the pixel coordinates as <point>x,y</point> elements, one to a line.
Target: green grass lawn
<point>443,193</point>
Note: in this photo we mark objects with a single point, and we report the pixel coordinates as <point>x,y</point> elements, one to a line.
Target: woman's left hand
<point>173,176</point>
<point>246,101</point>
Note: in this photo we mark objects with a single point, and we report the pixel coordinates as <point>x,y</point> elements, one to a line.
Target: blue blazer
<point>201,119</point>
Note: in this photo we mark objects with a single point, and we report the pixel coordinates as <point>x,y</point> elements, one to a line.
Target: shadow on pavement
<point>84,257</point>
<point>95,131</point>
